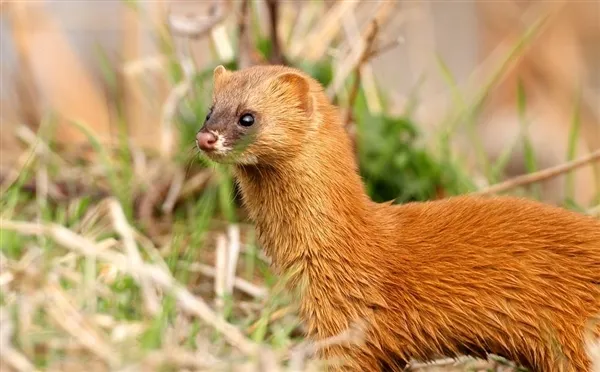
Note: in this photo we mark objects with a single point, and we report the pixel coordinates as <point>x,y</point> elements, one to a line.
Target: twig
<point>277,57</point>
<point>220,271</point>
<point>385,48</point>
<point>233,253</point>
<point>356,53</point>
<point>369,40</point>
<point>241,284</point>
<point>541,175</point>
<point>247,53</point>
<point>367,76</point>
<point>245,46</point>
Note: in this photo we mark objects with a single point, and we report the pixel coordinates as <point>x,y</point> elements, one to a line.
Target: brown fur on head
<point>278,104</point>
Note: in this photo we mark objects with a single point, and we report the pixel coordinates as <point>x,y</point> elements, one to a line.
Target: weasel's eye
<point>246,120</point>
<point>209,114</point>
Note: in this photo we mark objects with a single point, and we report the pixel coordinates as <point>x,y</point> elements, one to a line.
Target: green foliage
<point>322,70</point>
<point>394,165</point>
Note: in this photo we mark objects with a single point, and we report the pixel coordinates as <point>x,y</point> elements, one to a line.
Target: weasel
<point>463,275</point>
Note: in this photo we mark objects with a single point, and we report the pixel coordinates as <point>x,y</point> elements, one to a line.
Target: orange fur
<point>464,275</point>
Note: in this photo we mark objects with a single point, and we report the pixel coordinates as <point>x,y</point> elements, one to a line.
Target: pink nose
<point>206,141</point>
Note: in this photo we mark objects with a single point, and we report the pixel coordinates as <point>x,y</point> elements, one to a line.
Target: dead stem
<point>174,191</point>
<point>541,175</point>
<point>220,272</point>
<point>8,354</point>
<point>241,284</point>
<point>247,54</point>
<point>369,41</point>
<point>357,53</point>
<point>277,57</point>
<point>124,230</point>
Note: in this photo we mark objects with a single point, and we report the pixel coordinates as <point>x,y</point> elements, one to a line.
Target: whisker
<point>190,161</point>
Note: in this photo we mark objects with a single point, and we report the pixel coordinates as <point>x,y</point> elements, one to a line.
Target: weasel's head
<point>259,115</point>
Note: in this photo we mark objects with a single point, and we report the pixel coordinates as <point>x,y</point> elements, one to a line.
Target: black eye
<point>209,114</point>
<point>246,120</point>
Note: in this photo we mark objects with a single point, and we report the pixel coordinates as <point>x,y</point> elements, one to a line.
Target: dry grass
<point>81,287</point>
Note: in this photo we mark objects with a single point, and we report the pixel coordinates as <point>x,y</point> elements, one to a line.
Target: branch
<point>357,52</point>
<point>542,175</point>
<point>277,57</point>
<point>247,54</point>
<point>385,48</point>
<point>241,284</point>
<point>369,41</point>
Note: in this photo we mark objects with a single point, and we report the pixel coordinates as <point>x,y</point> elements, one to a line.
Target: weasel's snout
<point>206,141</point>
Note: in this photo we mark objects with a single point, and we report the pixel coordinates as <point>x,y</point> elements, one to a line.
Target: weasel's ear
<point>219,75</point>
<point>296,87</point>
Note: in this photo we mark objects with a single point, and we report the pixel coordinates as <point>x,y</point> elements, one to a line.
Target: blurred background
<point>100,102</point>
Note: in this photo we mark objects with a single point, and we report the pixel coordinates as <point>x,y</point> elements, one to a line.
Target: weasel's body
<point>464,275</point>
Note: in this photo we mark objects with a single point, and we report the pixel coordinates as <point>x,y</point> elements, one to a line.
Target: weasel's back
<point>502,233</point>
<point>475,217</point>
<point>497,275</point>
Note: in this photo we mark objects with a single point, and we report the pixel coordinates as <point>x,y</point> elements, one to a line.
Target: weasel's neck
<point>312,207</point>
<point>320,229</point>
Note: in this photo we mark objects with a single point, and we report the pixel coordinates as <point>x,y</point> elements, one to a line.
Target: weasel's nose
<point>206,141</point>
